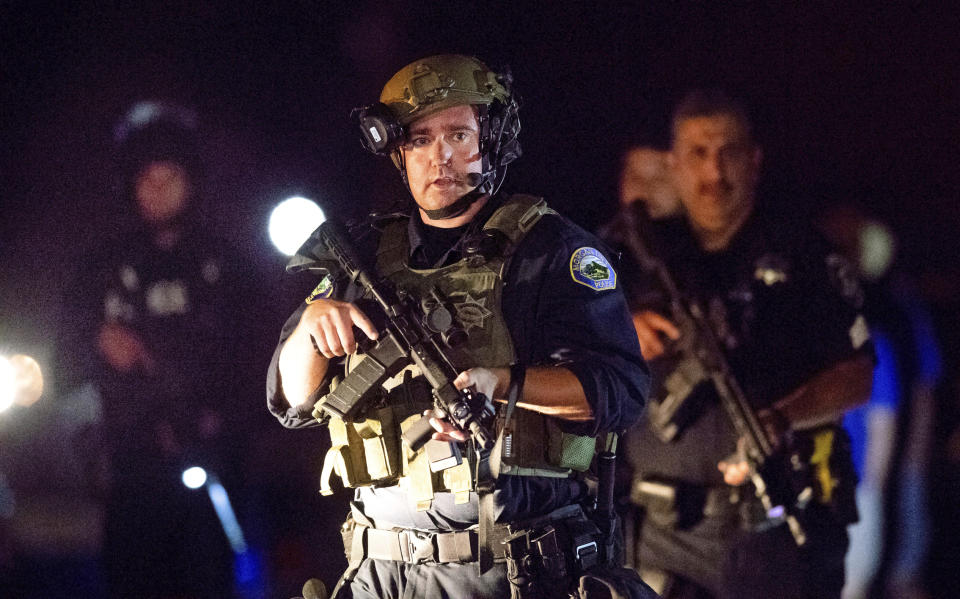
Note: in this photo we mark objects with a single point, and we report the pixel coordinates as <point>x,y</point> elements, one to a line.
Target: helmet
<point>432,84</point>
<point>429,85</point>
<point>153,131</point>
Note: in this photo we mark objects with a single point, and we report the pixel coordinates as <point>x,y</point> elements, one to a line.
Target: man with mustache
<point>547,339</point>
<point>784,311</point>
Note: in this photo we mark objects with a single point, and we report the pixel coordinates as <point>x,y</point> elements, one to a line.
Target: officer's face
<point>715,166</point>
<point>163,189</point>
<point>442,149</point>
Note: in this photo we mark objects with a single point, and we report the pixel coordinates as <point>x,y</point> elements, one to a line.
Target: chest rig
<point>370,453</point>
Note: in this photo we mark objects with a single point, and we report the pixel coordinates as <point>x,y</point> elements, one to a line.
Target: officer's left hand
<point>482,380</point>
<point>445,430</point>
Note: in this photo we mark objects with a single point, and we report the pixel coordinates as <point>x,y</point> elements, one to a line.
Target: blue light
<point>231,528</point>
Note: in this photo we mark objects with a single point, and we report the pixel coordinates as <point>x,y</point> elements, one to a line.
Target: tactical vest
<point>371,453</point>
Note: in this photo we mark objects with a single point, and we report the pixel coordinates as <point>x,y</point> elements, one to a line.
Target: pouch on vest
<point>535,445</point>
<point>362,453</point>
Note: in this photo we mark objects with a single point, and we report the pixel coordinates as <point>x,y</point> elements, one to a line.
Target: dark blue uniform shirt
<point>783,308</point>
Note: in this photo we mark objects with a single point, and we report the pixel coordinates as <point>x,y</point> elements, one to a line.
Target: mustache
<point>719,188</point>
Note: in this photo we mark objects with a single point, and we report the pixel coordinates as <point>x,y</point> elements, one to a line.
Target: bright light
<point>878,247</point>
<point>21,381</point>
<point>292,221</point>
<point>194,477</point>
<point>29,379</point>
<point>8,384</point>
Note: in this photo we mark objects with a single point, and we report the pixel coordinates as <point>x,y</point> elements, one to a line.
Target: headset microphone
<point>478,179</point>
<point>479,182</point>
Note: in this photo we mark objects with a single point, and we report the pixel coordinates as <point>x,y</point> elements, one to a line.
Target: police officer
<point>785,312</point>
<point>544,317</point>
<point>154,327</point>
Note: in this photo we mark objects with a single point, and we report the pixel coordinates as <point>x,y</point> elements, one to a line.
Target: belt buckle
<point>419,546</point>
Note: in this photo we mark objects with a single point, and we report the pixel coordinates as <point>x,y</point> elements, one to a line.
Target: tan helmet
<point>434,83</point>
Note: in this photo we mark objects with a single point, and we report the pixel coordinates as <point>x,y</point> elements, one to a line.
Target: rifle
<point>702,362</point>
<point>415,332</point>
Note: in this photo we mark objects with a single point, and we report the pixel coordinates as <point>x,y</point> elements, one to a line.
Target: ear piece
<point>380,131</point>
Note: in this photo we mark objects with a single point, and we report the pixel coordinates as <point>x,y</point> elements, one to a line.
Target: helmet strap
<point>457,208</point>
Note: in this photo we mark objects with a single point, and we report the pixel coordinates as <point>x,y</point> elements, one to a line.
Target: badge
<point>323,290</point>
<point>771,269</point>
<point>588,267</point>
<point>471,312</point>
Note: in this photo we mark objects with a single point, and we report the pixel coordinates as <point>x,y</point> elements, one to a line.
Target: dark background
<point>851,104</point>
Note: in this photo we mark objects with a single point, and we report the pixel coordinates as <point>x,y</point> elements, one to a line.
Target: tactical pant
<point>750,564</point>
<point>383,579</point>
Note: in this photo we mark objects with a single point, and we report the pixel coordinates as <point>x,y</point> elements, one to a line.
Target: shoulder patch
<point>589,268</point>
<point>323,290</point>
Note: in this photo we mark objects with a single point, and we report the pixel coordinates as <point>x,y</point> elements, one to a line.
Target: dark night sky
<point>856,105</point>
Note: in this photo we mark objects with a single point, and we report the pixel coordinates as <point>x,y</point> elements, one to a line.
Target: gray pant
<point>382,579</point>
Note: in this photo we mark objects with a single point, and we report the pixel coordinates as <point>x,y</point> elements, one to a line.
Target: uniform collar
<point>417,235</point>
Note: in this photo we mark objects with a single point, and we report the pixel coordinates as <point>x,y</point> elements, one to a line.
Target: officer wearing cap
<point>546,324</point>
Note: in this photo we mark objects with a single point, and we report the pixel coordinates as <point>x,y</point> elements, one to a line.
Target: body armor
<point>371,453</point>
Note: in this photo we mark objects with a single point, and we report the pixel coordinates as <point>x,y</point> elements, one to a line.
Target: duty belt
<point>714,501</point>
<point>416,547</point>
<point>671,505</point>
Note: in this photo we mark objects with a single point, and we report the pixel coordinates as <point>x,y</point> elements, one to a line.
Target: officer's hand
<point>445,430</point>
<point>122,348</point>
<point>735,467</point>
<point>650,326</point>
<point>775,425</point>
<point>488,381</point>
<point>330,324</point>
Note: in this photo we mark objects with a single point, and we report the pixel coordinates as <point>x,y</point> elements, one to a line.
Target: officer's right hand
<point>330,324</point>
<point>123,349</point>
<point>650,326</point>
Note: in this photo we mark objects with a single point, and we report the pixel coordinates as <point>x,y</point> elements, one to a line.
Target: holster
<point>545,561</point>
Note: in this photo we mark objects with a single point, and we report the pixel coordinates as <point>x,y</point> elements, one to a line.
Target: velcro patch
<point>323,290</point>
<point>589,268</point>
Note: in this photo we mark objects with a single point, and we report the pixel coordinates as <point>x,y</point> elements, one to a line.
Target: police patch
<point>322,291</point>
<point>588,267</point>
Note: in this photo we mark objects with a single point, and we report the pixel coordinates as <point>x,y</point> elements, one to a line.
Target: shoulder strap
<point>517,216</point>
<point>393,248</point>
